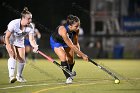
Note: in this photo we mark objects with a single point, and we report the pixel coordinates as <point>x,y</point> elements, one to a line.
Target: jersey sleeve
<point>10,27</point>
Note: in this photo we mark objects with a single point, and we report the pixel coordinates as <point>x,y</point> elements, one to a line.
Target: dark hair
<point>25,11</point>
<point>71,19</point>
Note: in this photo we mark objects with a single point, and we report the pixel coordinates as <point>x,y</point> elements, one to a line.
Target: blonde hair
<point>25,11</point>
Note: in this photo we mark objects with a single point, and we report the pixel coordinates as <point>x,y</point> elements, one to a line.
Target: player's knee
<point>12,55</point>
<point>21,61</point>
<point>11,59</point>
<point>71,61</point>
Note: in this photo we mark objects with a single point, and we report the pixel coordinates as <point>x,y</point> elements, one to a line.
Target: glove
<point>35,49</point>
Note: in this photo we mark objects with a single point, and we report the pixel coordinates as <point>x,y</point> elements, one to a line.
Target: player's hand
<point>85,57</point>
<point>9,49</point>
<point>78,55</point>
<point>35,49</point>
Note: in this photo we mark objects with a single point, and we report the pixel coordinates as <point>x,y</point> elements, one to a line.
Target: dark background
<point>46,13</point>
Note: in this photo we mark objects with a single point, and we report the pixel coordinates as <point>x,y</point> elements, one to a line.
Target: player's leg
<point>21,63</point>
<point>11,63</point>
<point>28,47</point>
<point>27,51</point>
<point>62,56</point>
<point>33,55</point>
<point>1,39</point>
<point>70,57</point>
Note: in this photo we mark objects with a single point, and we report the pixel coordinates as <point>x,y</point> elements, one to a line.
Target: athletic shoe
<point>69,80</point>
<point>12,80</point>
<point>20,79</point>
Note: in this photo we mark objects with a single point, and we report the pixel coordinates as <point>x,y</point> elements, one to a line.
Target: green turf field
<point>45,77</point>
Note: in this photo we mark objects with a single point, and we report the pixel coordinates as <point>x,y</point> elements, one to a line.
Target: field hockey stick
<point>104,69</point>
<point>57,64</point>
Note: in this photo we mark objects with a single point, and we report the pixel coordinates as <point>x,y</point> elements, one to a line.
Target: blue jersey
<point>57,41</point>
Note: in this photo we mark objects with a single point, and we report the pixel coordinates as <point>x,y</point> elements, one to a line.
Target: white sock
<point>11,66</point>
<point>20,67</point>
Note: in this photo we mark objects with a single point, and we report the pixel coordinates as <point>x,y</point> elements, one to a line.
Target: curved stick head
<point>73,73</point>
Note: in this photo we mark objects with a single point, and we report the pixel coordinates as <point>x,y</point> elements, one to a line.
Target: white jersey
<point>17,36</point>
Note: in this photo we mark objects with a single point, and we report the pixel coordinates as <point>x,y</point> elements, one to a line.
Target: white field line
<point>24,86</point>
<point>46,84</point>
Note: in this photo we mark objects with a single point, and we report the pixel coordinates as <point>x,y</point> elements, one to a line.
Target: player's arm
<point>75,39</point>
<point>7,41</point>
<point>63,33</point>
<point>8,32</point>
<point>7,36</point>
<point>38,34</point>
<point>76,42</point>
<point>32,40</point>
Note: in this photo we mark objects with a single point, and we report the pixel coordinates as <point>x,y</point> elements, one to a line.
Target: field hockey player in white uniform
<point>14,40</point>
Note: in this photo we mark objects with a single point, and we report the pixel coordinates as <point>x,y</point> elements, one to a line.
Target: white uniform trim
<point>17,37</point>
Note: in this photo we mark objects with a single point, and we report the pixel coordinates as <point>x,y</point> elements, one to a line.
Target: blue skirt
<point>56,44</point>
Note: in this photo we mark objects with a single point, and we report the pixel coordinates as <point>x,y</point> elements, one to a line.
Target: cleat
<point>69,80</point>
<point>12,80</point>
<point>20,79</point>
